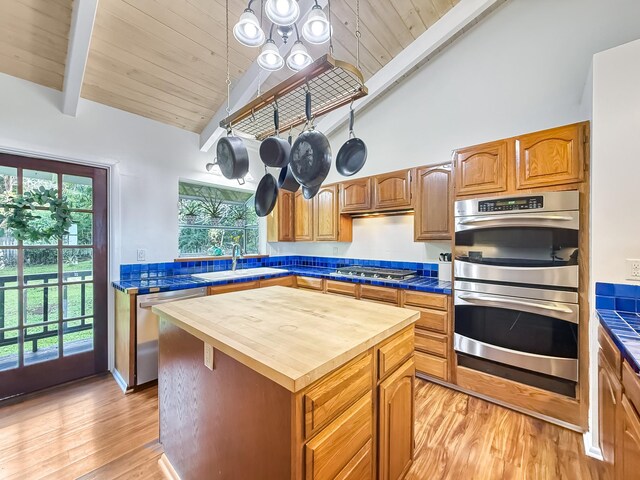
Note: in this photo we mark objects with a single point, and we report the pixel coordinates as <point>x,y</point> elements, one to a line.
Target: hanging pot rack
<point>333,84</point>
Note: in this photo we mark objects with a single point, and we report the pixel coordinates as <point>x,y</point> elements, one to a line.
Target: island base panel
<point>228,423</point>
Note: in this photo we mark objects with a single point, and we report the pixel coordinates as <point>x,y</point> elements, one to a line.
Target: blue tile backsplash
<point>620,297</point>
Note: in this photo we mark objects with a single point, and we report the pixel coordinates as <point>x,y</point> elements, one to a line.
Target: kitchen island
<point>299,385</point>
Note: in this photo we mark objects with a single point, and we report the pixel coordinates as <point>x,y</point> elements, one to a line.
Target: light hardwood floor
<point>90,430</point>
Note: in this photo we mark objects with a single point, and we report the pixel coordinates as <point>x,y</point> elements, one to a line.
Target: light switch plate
<point>633,269</point>
<point>141,254</point>
<point>208,356</point>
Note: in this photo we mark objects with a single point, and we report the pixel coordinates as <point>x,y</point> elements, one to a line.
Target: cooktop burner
<point>375,272</point>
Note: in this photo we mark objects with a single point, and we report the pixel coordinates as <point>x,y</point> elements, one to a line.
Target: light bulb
<point>282,6</point>
<point>271,59</point>
<point>247,31</point>
<point>317,27</point>
<point>282,12</point>
<point>250,30</point>
<point>298,59</point>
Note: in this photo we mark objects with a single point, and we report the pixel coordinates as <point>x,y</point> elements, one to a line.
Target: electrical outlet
<point>208,356</point>
<point>633,269</point>
<point>141,254</point>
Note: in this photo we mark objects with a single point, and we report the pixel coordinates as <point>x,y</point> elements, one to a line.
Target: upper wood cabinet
<point>280,220</point>
<point>303,223</point>
<point>355,196</point>
<point>392,191</point>
<point>432,219</point>
<point>329,225</point>
<point>395,434</point>
<point>551,157</point>
<point>482,168</point>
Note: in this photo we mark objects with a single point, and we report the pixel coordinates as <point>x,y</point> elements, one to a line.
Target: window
<point>212,219</point>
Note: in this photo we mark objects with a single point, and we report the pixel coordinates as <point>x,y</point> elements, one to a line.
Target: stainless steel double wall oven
<point>516,288</point>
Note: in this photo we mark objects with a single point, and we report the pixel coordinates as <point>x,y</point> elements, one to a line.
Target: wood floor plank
<point>91,431</point>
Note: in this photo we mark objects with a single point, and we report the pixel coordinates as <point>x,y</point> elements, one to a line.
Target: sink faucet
<point>235,253</point>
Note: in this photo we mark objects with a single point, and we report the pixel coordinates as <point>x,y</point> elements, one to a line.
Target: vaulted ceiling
<point>166,59</point>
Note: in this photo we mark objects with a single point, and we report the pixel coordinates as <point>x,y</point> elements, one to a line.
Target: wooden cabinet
<point>233,287</point>
<point>329,225</point>
<point>342,288</point>
<point>393,191</point>
<point>433,208</point>
<point>482,168</point>
<point>628,460</point>
<point>551,157</point>
<point>355,196</point>
<point>280,222</point>
<point>303,223</point>
<point>609,397</point>
<point>396,418</point>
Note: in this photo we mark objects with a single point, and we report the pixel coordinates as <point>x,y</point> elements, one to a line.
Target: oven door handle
<point>542,308</point>
<point>520,218</point>
<point>160,302</point>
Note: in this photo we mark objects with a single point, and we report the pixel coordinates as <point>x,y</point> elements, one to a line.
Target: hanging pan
<point>286,180</point>
<point>310,159</point>
<point>274,151</point>
<point>266,195</point>
<point>310,192</point>
<point>353,153</point>
<point>232,157</point>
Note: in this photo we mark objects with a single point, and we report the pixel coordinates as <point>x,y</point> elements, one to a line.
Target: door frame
<point>113,226</point>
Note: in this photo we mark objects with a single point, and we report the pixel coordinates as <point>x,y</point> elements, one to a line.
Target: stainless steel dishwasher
<point>147,330</point>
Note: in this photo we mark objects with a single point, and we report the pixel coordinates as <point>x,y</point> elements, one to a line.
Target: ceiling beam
<point>82,20</point>
<point>246,87</point>
<point>442,33</point>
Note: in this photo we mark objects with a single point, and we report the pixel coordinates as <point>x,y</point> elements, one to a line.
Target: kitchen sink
<point>239,273</point>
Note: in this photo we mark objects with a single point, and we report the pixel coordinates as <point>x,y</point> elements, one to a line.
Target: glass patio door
<point>53,293</point>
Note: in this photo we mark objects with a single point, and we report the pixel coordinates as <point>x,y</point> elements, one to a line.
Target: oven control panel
<point>507,204</point>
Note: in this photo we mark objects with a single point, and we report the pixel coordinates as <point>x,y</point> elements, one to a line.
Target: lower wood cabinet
<point>628,461</point>
<point>609,398</point>
<point>396,419</point>
<point>233,287</point>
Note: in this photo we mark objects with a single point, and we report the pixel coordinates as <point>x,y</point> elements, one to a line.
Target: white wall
<point>523,68</point>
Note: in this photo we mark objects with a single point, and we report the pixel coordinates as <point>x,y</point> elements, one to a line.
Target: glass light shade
<point>282,12</point>
<point>270,58</point>
<point>299,57</point>
<point>247,31</point>
<point>316,29</point>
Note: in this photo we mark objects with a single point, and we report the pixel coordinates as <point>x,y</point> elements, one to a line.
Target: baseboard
<point>167,469</point>
<point>590,449</point>
<point>119,380</point>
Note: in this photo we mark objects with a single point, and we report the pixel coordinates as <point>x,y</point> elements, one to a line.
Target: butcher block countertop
<point>290,336</point>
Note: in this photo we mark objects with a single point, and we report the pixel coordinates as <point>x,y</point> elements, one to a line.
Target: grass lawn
<point>34,308</point>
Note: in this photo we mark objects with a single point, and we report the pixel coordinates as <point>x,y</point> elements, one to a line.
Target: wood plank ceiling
<point>165,59</point>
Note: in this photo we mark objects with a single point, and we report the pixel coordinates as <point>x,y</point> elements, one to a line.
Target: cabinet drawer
<point>631,384</point>
<point>432,366</point>
<point>609,350</point>
<point>342,288</point>
<point>380,294</point>
<point>329,452</point>
<point>233,287</point>
<point>432,343</point>
<point>360,466</point>
<point>434,320</point>
<point>309,282</point>
<point>428,300</point>
<point>395,351</point>
<point>329,397</point>
<point>282,281</point>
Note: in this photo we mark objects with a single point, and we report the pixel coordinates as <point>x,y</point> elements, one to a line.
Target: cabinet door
<point>432,219</point>
<point>551,157</point>
<point>628,455</point>
<point>396,411</point>
<point>303,224</point>
<point>355,196</point>
<point>482,168</point>
<point>393,190</point>
<point>609,393</point>
<point>326,214</point>
<point>280,220</point>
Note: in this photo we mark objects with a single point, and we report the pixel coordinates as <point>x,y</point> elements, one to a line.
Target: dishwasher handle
<point>160,302</point>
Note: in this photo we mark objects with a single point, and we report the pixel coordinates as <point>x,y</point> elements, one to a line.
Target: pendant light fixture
<point>299,57</point>
<point>282,12</point>
<point>317,28</point>
<point>270,58</point>
<point>248,31</point>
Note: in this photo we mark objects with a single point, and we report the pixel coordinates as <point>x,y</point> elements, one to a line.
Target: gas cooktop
<point>389,274</point>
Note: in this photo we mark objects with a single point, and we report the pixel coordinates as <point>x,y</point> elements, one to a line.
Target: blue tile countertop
<point>151,280</point>
<point>618,309</point>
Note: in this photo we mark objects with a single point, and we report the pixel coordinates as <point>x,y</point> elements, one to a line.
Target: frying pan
<point>309,193</point>
<point>232,157</point>
<point>353,153</point>
<point>274,151</point>
<point>286,180</point>
<point>310,159</point>
<point>266,195</point>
